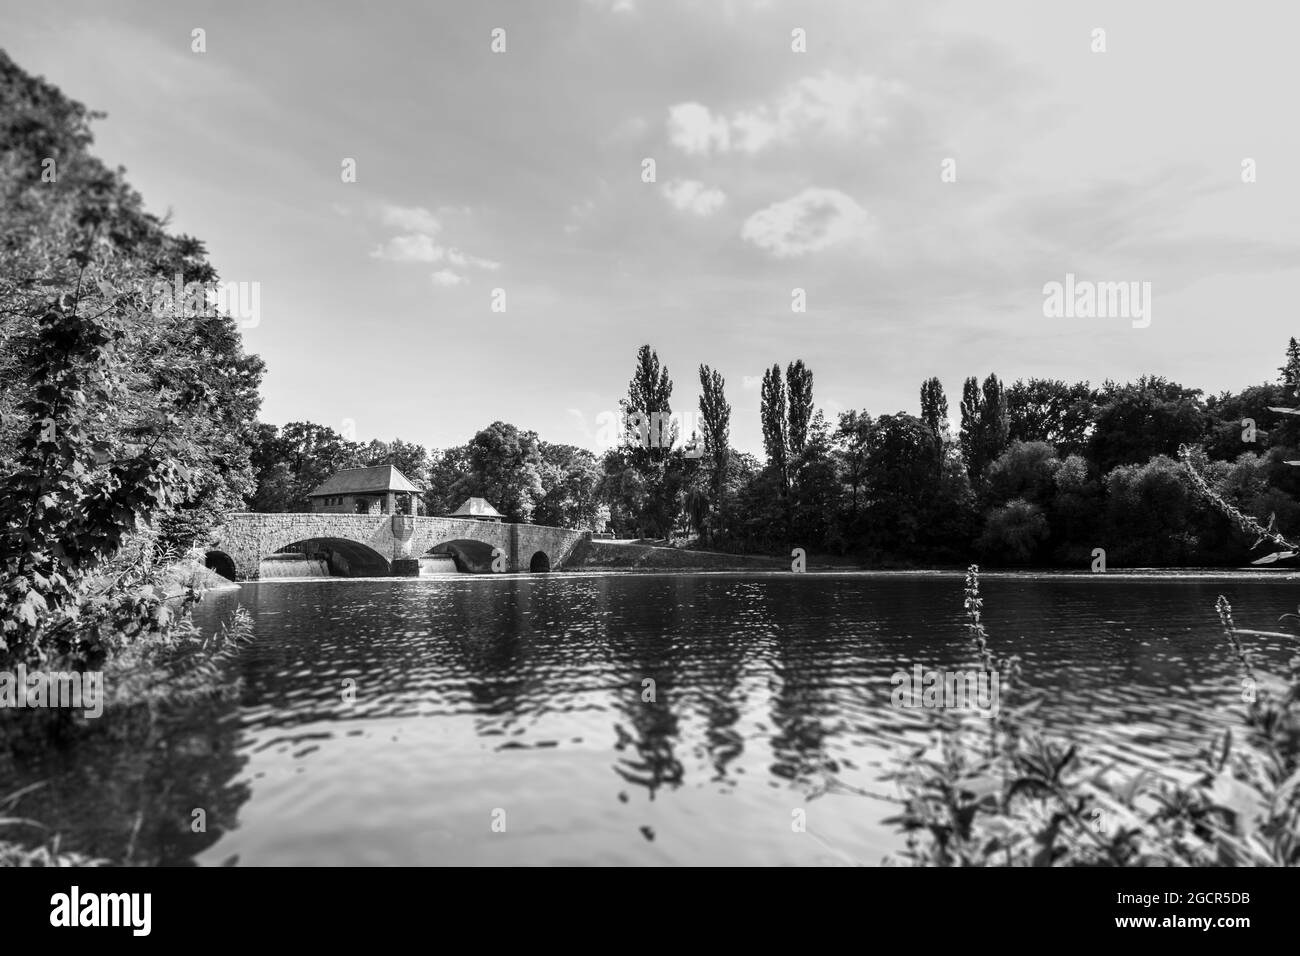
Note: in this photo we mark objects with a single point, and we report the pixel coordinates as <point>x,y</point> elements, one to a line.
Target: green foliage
<point>993,422</point>
<point>1052,411</point>
<point>1152,514</point>
<point>772,408</point>
<point>76,494</point>
<point>1149,417</point>
<point>799,395</point>
<point>852,444</point>
<point>1015,532</point>
<point>117,419</point>
<point>504,467</point>
<point>84,237</point>
<point>570,479</point>
<point>934,407</point>
<point>1025,470</point>
<point>646,488</point>
<point>715,418</point>
<point>1075,510</point>
<point>901,480</point>
<point>971,433</point>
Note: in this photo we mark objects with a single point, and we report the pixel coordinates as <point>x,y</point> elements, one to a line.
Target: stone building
<point>364,491</point>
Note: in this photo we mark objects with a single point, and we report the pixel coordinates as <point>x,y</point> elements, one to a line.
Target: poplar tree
<point>772,410</point>
<point>971,435</point>
<point>798,386</point>
<point>715,416</point>
<point>934,408</point>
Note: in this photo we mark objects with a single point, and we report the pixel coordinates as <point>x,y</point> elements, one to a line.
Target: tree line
<point>1040,471</point>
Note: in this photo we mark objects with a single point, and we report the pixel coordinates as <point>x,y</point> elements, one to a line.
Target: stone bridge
<point>387,544</point>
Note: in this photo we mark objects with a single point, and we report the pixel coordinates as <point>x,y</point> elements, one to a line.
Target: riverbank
<point>635,556</point>
<point>142,685</point>
<point>175,579</point>
<point>640,556</point>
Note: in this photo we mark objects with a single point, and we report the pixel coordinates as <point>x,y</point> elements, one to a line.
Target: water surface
<point>395,721</point>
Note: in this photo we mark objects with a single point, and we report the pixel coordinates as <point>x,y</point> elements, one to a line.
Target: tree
<point>313,453</point>
<point>775,426</point>
<point>1290,369</point>
<point>993,428</point>
<point>649,393</point>
<point>1244,423</point>
<point>934,408</point>
<point>852,442</point>
<point>972,424</point>
<point>410,459</point>
<point>798,387</point>
<point>448,470</point>
<point>85,234</point>
<point>715,418</point>
<point>505,468</point>
<point>1152,514</point>
<point>1026,470</point>
<point>814,499</point>
<point>901,481</point>
<point>645,481</point>
<point>75,495</point>
<point>1075,510</point>
<point>570,482</point>
<point>1014,533</point>
<point>1050,410</point>
<point>1136,422</point>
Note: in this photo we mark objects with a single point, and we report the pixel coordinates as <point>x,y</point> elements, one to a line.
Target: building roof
<point>364,481</point>
<point>476,508</point>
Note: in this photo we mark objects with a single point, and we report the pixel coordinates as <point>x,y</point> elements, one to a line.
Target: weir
<point>438,564</point>
<point>277,566</point>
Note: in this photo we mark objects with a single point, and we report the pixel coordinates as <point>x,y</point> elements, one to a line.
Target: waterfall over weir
<point>437,564</point>
<point>276,566</point>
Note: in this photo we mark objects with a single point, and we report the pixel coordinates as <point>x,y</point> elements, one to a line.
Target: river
<point>503,719</point>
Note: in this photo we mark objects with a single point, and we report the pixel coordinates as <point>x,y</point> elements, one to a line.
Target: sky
<point>922,171</point>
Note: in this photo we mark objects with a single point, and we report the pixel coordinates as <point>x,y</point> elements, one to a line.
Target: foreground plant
<point>1002,792</point>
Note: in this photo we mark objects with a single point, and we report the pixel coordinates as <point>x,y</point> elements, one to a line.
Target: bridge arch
<point>343,557</point>
<point>222,563</point>
<point>540,563</point>
<point>470,554</point>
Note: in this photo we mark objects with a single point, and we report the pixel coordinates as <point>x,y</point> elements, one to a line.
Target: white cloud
<point>410,218</point>
<point>814,219</point>
<point>823,105</point>
<point>417,244</point>
<point>459,259</point>
<point>414,248</point>
<point>693,129</point>
<point>751,382</point>
<point>692,195</point>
